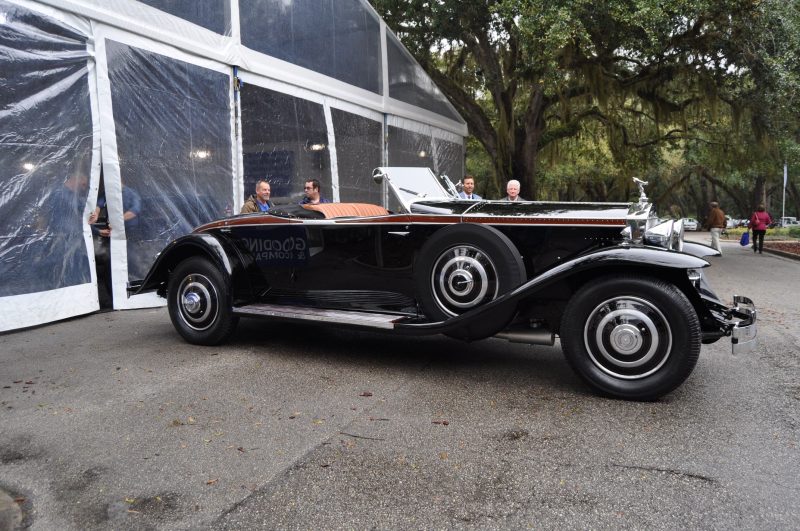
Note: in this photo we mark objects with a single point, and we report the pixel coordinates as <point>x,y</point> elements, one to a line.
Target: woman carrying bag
<point>759,222</point>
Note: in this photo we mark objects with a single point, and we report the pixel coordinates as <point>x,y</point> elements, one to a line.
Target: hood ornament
<point>641,184</point>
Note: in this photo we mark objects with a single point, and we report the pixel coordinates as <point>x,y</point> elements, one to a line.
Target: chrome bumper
<point>743,333</point>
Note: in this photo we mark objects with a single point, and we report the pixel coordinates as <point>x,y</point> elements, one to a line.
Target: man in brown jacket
<point>259,202</point>
<point>715,223</point>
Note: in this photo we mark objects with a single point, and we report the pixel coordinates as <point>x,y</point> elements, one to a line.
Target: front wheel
<point>199,303</point>
<point>635,338</point>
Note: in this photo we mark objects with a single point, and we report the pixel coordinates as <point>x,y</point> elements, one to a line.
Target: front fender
<point>699,250</point>
<point>624,258</point>
<point>207,245</point>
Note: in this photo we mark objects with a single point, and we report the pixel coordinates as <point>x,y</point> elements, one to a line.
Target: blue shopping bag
<point>745,239</point>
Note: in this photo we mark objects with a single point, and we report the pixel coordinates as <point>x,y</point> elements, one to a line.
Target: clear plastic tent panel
<point>172,122</point>
<point>358,152</point>
<point>409,83</point>
<point>285,141</point>
<point>45,153</point>
<point>337,38</point>
<point>449,157</point>
<point>210,14</point>
<point>410,148</point>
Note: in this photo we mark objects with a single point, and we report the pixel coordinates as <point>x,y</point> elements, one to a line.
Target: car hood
<point>532,211</point>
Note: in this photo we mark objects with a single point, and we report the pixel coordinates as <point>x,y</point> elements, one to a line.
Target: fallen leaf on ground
<point>211,481</point>
<point>366,393</point>
<point>442,422</point>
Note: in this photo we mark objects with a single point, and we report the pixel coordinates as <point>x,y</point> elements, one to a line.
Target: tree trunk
<point>759,193</point>
<point>792,193</point>
<point>527,157</point>
<point>503,155</point>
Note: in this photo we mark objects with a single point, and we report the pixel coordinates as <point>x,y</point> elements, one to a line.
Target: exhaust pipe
<point>525,334</point>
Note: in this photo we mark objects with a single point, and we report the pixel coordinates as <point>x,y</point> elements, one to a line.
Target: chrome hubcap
<point>463,277</point>
<point>198,302</point>
<point>628,337</point>
<point>191,303</point>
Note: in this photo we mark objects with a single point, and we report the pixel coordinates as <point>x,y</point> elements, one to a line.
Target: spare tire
<point>464,266</point>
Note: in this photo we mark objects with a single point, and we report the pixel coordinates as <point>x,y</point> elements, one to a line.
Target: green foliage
<point>479,165</point>
<point>575,97</point>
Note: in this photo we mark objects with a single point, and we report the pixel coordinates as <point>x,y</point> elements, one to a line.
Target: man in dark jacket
<point>313,194</point>
<point>259,202</point>
<point>715,223</point>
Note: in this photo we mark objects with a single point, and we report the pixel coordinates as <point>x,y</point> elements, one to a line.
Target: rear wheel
<point>635,338</point>
<point>199,303</point>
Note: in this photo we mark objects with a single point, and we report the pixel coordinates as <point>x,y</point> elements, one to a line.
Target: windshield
<point>413,184</point>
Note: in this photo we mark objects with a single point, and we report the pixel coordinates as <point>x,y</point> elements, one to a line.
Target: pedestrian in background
<point>715,223</point>
<point>759,222</point>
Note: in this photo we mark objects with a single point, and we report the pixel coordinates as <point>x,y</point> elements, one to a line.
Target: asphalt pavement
<point>111,421</point>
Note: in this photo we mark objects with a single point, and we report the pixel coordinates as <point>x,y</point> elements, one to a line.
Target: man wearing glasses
<point>312,191</point>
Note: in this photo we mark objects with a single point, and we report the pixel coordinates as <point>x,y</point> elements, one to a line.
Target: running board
<point>294,313</point>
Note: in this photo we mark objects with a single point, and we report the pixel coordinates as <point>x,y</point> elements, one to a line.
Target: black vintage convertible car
<point>621,289</point>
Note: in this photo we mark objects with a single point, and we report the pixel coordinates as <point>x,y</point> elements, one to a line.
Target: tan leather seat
<point>347,210</point>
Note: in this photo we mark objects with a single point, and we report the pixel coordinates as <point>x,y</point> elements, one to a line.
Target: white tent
<point>184,105</point>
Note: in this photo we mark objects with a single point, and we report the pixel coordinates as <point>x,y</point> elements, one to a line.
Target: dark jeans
<point>102,262</point>
<point>758,240</point>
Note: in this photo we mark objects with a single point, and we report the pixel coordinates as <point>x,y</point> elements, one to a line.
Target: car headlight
<point>667,234</point>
